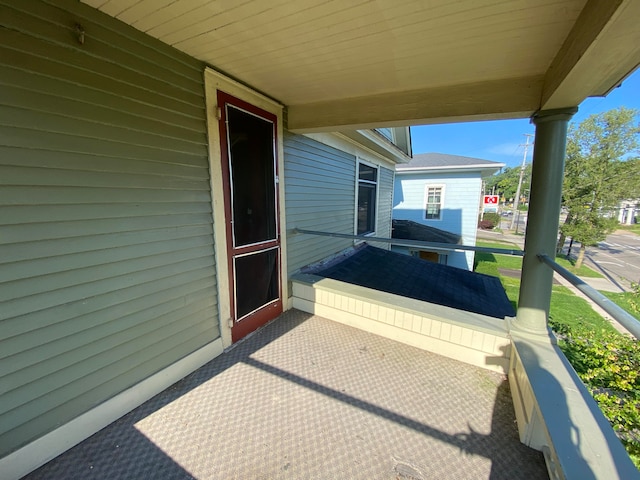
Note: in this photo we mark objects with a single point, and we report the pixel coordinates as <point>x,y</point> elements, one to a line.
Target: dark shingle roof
<point>422,280</point>
<point>435,160</point>
<point>408,230</point>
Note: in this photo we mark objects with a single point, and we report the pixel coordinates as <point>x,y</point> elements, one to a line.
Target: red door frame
<point>272,309</point>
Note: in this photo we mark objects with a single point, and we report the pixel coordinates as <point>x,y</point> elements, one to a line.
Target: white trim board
<point>215,81</point>
<point>348,145</point>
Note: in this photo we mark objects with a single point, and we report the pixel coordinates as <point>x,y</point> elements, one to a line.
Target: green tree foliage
<point>634,300</point>
<point>609,365</point>
<point>506,183</point>
<point>599,174</point>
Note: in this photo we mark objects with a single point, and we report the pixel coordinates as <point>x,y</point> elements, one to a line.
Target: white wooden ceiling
<point>361,63</point>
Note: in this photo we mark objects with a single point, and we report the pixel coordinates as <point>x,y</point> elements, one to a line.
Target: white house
<point>627,211</point>
<point>444,192</point>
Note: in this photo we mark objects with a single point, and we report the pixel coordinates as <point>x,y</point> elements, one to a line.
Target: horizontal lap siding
<point>460,212</point>
<point>461,201</point>
<point>320,195</point>
<point>106,272</point>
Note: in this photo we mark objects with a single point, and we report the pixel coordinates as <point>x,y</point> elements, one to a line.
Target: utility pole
<point>516,200</point>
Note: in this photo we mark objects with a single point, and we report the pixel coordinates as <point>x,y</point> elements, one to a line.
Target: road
<point>617,258</point>
<point>520,224</point>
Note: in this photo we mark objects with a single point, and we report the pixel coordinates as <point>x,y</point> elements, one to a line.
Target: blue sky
<point>500,140</point>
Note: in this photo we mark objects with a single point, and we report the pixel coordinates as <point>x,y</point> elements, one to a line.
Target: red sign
<point>491,199</point>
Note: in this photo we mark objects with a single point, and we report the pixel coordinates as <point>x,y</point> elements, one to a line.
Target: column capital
<point>554,114</point>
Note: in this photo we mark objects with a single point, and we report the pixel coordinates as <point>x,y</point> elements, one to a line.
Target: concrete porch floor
<point>306,397</point>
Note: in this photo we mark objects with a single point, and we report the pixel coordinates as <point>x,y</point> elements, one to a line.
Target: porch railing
<point>621,316</point>
<point>445,247</point>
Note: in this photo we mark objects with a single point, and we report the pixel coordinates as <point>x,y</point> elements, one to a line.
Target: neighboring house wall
<point>320,195</point>
<point>320,185</point>
<point>460,206</point>
<point>627,211</point>
<point>108,272</point>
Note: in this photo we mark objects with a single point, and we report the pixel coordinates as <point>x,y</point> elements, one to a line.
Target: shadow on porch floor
<point>306,397</point>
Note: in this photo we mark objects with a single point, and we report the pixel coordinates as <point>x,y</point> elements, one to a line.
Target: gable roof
<point>424,162</point>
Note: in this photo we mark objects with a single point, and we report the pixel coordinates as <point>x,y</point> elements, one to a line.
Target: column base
<point>515,326</point>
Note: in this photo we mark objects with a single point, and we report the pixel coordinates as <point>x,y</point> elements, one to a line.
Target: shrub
<point>489,221</point>
<point>486,225</point>
<point>634,298</point>
<point>609,365</point>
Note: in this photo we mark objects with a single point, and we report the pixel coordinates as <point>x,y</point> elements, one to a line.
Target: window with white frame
<point>434,200</point>
<point>367,198</point>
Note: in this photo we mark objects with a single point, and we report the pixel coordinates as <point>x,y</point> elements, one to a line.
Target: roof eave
<point>445,168</point>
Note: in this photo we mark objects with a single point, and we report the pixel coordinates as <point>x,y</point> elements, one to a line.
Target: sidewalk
<point>601,284</point>
<point>503,236</point>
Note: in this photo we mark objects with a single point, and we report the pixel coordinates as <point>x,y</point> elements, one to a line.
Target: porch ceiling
<point>365,63</point>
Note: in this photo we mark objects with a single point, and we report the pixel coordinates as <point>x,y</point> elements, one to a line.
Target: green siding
<point>107,268</point>
<point>320,195</point>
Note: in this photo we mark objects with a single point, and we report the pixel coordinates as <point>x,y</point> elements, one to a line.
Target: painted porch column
<point>543,219</point>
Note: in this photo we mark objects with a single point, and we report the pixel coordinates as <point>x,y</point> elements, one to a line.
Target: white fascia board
<point>378,143</point>
<point>446,168</point>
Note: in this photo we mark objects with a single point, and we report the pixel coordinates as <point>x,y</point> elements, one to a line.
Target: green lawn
<point>583,271</point>
<point>498,244</point>
<point>566,308</point>
<point>576,313</point>
<point>631,228</point>
<point>513,262</point>
<point>488,263</point>
<point>624,300</point>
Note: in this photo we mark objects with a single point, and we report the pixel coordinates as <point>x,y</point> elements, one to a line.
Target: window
<point>367,195</point>
<point>434,196</point>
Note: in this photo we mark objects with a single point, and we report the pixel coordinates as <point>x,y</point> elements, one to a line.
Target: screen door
<point>249,166</point>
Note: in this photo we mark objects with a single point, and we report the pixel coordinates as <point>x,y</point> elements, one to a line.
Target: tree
<point>506,183</point>
<point>598,175</point>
